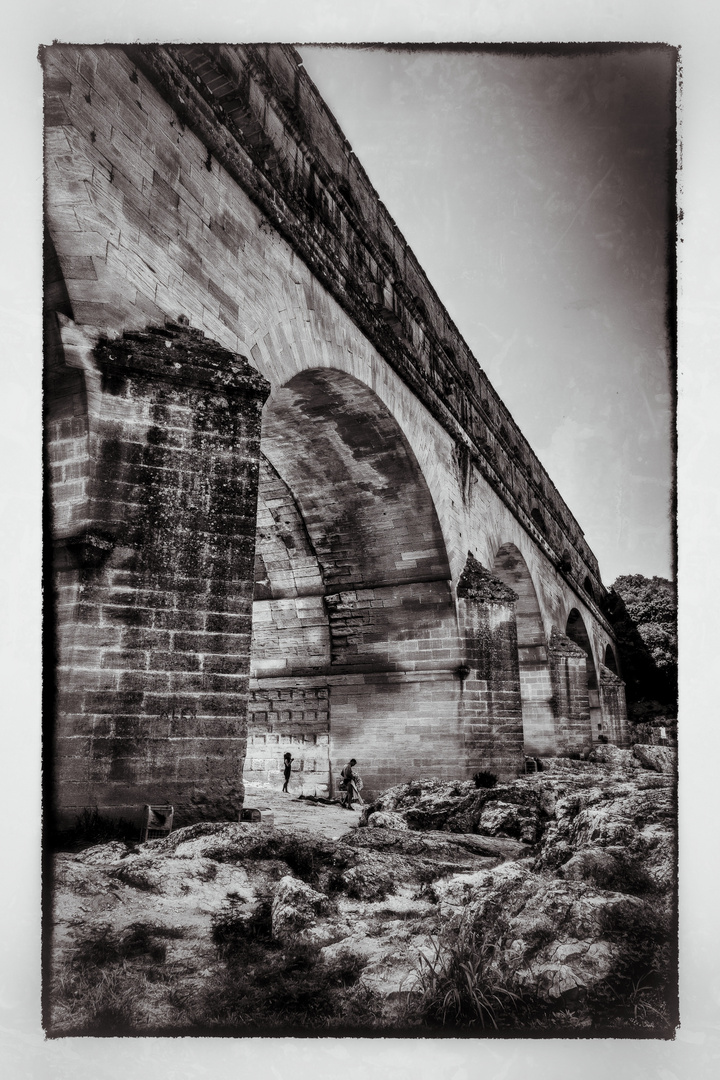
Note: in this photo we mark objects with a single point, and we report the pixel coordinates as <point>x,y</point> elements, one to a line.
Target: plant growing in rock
<point>458,986</point>
<point>233,926</point>
<point>266,985</point>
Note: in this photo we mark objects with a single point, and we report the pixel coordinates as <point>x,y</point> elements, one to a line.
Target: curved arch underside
<point>536,691</point>
<point>577,632</point>
<point>610,662</point>
<point>355,636</point>
<point>365,503</point>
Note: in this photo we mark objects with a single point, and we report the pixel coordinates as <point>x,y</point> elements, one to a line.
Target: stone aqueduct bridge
<point>288,509</point>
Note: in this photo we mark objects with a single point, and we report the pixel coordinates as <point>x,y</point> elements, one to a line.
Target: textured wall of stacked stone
<point>539,721</point>
<point>613,707</point>
<point>399,726</point>
<point>356,502</point>
<point>491,705</point>
<point>154,652</point>
<point>568,666</point>
<point>322,200</point>
<point>294,719</point>
<point>156,208</point>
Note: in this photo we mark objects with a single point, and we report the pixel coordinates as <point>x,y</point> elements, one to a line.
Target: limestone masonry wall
<point>371,564</point>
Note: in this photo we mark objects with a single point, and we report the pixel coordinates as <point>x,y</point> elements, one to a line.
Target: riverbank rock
<point>662,759</point>
<point>387,819</point>
<point>560,939</point>
<point>563,881</point>
<point>296,906</point>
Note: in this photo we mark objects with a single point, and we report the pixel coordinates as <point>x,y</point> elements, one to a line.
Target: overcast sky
<point>533,190</point>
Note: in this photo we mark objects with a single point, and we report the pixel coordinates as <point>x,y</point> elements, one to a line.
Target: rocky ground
<point>543,904</point>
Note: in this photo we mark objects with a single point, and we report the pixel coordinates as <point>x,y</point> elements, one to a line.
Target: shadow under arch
<point>355,643</point>
<point>536,692</point>
<point>610,660</point>
<point>576,631</point>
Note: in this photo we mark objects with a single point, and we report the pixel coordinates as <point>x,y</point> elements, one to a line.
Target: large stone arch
<point>536,691</point>
<point>354,614</point>
<point>309,333</point>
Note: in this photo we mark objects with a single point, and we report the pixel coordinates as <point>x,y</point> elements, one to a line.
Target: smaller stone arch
<point>539,729</point>
<point>576,631</point>
<point>610,660</point>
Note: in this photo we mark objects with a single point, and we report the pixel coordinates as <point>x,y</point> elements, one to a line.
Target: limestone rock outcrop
<point>296,906</point>
<point>565,879</point>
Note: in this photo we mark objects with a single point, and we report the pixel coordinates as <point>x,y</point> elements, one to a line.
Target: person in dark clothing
<point>350,785</point>
<point>287,761</point>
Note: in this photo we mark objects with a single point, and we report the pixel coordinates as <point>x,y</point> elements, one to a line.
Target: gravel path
<point>327,819</point>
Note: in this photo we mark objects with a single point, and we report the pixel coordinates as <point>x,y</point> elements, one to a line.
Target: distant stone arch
<point>577,632</point>
<point>535,682</point>
<point>610,660</point>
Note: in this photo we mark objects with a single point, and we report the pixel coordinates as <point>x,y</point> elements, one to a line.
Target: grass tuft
<point>457,987</point>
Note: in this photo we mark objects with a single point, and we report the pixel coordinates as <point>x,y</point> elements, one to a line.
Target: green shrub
<point>103,988</point>
<point>267,986</point>
<point>233,928</point>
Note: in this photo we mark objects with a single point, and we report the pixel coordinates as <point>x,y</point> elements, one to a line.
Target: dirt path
<point>328,820</point>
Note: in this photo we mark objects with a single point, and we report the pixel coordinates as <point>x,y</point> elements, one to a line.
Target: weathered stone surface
<point>386,819</point>
<point>446,852</point>
<point>558,919</point>
<point>662,759</point>
<point>295,906</point>
<point>555,937</point>
<point>189,267</point>
<point>622,760</point>
<point>509,819</point>
<point>635,825</point>
<point>518,810</point>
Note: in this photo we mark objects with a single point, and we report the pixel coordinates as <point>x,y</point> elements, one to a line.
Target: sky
<point>534,191</point>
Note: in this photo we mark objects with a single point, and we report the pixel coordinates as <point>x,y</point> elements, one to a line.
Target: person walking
<point>287,763</point>
<point>350,785</point>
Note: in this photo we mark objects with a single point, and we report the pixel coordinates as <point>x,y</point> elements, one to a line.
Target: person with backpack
<point>350,785</point>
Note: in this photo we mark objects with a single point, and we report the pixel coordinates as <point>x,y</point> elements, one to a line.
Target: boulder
<point>662,759</point>
<point>560,938</point>
<point>634,824</point>
<point>295,906</point>
<point>373,876</point>
<point>387,819</point>
<point>461,849</point>
<point>509,819</point>
<point>618,759</point>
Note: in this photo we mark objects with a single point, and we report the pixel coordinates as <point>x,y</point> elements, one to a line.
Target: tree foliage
<point>644,616</point>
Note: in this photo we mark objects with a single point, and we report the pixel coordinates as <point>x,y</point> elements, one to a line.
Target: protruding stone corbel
<point>477,583</point>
